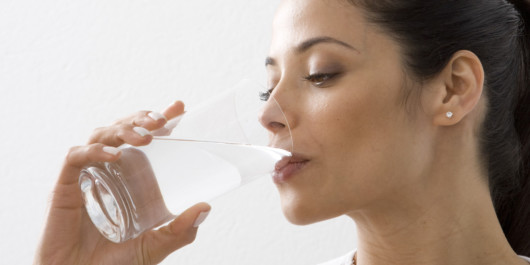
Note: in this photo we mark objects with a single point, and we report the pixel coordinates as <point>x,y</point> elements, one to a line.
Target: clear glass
<point>205,152</point>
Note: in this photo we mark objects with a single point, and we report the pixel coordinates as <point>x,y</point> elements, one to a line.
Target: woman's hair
<point>430,32</point>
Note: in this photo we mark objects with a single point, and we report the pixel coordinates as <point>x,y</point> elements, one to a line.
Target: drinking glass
<point>205,152</point>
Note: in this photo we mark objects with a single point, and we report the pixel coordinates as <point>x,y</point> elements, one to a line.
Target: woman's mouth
<point>286,168</point>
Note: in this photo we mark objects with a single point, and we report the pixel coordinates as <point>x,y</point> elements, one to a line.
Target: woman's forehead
<point>298,20</point>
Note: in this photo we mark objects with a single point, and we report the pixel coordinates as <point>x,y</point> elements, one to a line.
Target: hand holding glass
<point>208,151</point>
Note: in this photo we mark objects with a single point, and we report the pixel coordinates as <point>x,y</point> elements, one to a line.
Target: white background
<point>67,67</point>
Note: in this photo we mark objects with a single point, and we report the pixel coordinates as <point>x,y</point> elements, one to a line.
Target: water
<point>152,184</point>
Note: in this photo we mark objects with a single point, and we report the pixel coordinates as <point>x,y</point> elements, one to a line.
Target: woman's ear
<point>457,89</point>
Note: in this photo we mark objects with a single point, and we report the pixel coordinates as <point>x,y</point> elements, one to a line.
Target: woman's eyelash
<point>264,96</point>
<point>320,78</point>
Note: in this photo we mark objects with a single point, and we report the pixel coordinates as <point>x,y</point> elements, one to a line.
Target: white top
<point>347,259</point>
<point>344,260</point>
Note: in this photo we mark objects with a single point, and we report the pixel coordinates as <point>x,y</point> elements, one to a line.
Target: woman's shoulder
<point>347,259</point>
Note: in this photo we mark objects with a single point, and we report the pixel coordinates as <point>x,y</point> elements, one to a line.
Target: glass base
<point>107,202</point>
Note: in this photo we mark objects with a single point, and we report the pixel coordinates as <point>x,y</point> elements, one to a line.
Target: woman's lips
<point>288,167</point>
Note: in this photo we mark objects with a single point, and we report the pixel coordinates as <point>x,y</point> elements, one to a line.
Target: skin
<point>409,177</point>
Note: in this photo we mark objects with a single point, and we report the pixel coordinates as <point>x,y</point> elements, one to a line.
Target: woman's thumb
<point>158,244</point>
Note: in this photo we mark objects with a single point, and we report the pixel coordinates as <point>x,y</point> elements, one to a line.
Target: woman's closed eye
<point>265,95</point>
<point>320,79</point>
<point>317,79</point>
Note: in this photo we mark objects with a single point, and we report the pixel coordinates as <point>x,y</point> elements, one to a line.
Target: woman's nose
<point>275,120</point>
<point>272,117</point>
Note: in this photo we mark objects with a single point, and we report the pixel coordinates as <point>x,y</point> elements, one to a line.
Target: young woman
<point>411,117</point>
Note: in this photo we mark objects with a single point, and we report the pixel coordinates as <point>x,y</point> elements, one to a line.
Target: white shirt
<point>347,259</point>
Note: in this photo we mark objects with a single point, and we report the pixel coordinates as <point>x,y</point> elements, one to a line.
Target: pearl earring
<point>449,115</point>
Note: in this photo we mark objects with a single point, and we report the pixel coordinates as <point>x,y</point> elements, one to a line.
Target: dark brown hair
<point>430,32</point>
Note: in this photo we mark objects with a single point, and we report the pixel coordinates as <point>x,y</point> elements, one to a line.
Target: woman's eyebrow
<point>307,44</point>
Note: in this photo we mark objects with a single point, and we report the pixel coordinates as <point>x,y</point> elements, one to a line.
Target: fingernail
<point>141,131</point>
<point>156,116</point>
<point>111,150</point>
<point>170,125</point>
<point>202,216</point>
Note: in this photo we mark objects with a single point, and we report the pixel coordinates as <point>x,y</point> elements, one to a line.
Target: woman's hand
<point>71,238</point>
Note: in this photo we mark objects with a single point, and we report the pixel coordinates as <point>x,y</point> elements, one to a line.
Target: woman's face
<point>341,82</point>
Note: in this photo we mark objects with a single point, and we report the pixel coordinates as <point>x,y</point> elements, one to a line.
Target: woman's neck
<point>447,218</point>
<point>432,235</point>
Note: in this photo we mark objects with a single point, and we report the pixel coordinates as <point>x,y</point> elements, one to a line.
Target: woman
<point>411,117</point>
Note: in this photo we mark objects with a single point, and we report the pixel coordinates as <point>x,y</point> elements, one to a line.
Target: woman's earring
<point>449,115</point>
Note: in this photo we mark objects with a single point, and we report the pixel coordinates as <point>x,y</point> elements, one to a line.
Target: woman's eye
<point>320,78</point>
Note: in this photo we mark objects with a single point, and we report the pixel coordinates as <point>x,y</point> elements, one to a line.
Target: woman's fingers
<point>136,129</point>
<point>149,120</point>
<point>158,244</point>
<point>66,193</point>
<point>173,110</point>
<point>119,134</point>
<point>80,156</point>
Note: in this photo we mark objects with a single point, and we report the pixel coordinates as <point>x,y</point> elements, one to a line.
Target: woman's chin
<point>296,220</point>
<point>299,215</point>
